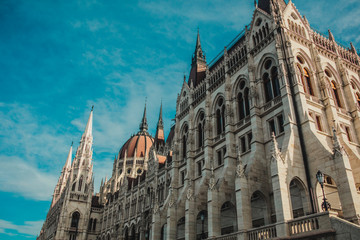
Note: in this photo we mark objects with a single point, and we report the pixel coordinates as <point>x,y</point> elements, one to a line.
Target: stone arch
<point>200,128</point>
<point>180,229</point>
<point>259,209</point>
<point>184,139</point>
<point>261,63</point>
<point>298,197</point>
<point>228,218</point>
<point>202,225</point>
<point>163,232</point>
<point>218,109</point>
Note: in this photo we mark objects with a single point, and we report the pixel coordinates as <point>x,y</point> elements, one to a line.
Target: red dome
<point>141,142</point>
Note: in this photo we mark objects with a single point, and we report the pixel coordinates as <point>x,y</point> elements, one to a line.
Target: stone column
<point>190,217</point>
<point>280,190</point>
<point>156,224</point>
<point>243,206</point>
<point>171,221</point>
<point>214,225</point>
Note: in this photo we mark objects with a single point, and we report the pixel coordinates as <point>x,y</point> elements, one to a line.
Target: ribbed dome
<point>141,142</point>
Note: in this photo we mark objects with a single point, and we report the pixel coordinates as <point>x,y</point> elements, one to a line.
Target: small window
<point>280,121</point>
<point>348,133</point>
<point>243,144</point>
<point>249,140</point>
<point>219,158</point>
<point>318,123</point>
<point>199,168</point>
<point>272,127</point>
<point>183,177</point>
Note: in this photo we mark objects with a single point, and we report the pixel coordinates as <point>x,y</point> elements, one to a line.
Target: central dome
<point>138,144</point>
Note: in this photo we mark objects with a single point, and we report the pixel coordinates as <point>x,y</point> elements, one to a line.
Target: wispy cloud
<point>28,229</point>
<point>18,176</point>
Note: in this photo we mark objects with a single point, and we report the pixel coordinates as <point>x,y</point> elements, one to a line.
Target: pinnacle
<point>88,129</point>
<point>143,125</point>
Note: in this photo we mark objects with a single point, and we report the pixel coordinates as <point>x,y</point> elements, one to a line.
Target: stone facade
<point>253,127</point>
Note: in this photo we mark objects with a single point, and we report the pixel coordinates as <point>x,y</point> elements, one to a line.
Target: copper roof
<point>141,142</point>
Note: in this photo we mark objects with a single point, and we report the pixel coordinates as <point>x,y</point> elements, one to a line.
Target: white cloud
<point>20,177</point>
<point>28,228</point>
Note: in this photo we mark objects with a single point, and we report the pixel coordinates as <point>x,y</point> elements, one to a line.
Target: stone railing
<point>318,222</point>
<point>266,232</point>
<point>231,236</point>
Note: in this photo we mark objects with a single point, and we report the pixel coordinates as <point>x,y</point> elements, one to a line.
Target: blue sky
<point>57,58</point>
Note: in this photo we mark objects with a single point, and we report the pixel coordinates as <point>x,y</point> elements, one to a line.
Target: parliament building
<point>265,145</point>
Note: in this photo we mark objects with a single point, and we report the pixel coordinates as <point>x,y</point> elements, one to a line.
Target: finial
<point>331,37</point>
<point>72,143</point>
<point>255,3</point>
<point>92,107</point>
<point>143,124</point>
<point>352,48</point>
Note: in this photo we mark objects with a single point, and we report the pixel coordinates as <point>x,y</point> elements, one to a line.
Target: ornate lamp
<point>320,178</point>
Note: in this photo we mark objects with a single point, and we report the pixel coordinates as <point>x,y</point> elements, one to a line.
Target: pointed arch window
<point>75,220</point>
<point>336,94</point>
<point>357,95</point>
<point>73,186</point>
<point>184,141</point>
<point>200,129</point>
<point>270,79</point>
<point>220,116</point>
<point>243,101</point>
<point>305,76</point>
<point>80,183</point>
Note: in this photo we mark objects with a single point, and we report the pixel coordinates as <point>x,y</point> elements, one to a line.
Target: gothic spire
<point>159,136</point>
<point>68,160</point>
<point>143,125</point>
<point>198,43</point>
<point>88,129</point>
<point>160,121</point>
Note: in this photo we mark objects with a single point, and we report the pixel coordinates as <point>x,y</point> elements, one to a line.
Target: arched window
<point>336,94</point>
<point>271,80</point>
<point>94,225</point>
<point>73,186</point>
<point>75,220</point>
<point>357,95</point>
<point>90,224</point>
<point>80,183</point>
<point>200,129</point>
<point>184,141</point>
<point>305,76</point>
<point>243,101</point>
<point>220,116</point>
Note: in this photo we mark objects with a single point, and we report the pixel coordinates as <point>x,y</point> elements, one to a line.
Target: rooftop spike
<point>143,125</point>
<point>88,129</point>
<point>331,36</point>
<point>198,43</point>
<point>160,121</point>
<point>68,160</point>
<point>352,48</point>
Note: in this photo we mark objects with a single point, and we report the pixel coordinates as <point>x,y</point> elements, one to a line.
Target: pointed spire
<point>331,36</point>
<point>88,129</point>
<point>68,160</point>
<point>352,48</point>
<point>143,125</point>
<point>198,43</point>
<point>160,121</point>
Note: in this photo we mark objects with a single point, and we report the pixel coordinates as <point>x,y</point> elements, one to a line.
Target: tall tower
<point>75,212</point>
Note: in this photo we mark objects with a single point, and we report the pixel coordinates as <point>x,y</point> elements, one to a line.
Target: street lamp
<point>202,216</point>
<point>320,178</point>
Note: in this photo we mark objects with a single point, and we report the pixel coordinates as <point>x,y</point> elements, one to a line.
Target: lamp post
<point>202,216</point>
<point>320,178</point>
